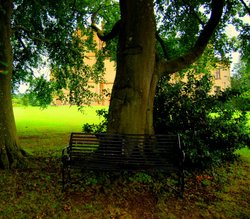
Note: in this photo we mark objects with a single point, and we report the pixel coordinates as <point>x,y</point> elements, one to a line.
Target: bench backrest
<point>134,150</point>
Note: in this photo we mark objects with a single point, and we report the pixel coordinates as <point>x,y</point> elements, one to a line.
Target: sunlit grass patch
<point>244,153</point>
<point>34,120</point>
<point>50,128</point>
<point>233,199</point>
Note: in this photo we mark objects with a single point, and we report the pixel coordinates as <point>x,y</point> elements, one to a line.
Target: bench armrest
<point>64,151</point>
<point>183,156</point>
<point>65,154</point>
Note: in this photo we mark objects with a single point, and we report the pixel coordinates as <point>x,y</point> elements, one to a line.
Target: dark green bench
<point>124,152</point>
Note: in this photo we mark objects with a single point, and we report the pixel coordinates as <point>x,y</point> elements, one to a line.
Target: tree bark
<point>131,106</point>
<point>10,153</point>
<point>182,62</point>
<point>139,68</point>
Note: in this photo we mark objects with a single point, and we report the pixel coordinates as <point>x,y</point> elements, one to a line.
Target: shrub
<point>212,128</point>
<point>97,128</point>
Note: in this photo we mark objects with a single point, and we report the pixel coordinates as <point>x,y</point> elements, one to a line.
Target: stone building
<point>220,74</point>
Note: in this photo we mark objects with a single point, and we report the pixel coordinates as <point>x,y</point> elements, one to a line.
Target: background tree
<point>30,31</point>
<point>149,47</point>
<point>9,151</point>
<point>241,83</point>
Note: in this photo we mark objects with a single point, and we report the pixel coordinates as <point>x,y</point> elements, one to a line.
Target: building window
<point>217,74</point>
<point>217,89</point>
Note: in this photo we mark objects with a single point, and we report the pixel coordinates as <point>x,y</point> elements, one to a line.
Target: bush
<point>212,128</point>
<point>97,128</point>
<point>21,100</point>
<point>38,94</point>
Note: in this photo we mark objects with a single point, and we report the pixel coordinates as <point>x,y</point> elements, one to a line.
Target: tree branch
<point>105,37</point>
<point>22,43</point>
<point>193,11</point>
<point>163,46</point>
<point>182,62</point>
<point>246,7</point>
<point>29,34</point>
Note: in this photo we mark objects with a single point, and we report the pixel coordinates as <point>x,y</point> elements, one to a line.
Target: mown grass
<point>49,129</point>
<point>59,119</point>
<point>35,192</point>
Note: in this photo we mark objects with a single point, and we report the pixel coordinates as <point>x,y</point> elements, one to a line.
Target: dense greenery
<point>212,126</point>
<point>44,35</point>
<point>50,35</point>
<point>38,94</point>
<point>241,81</point>
<point>97,128</point>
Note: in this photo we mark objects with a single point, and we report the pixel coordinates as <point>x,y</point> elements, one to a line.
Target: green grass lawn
<point>245,154</point>
<point>35,192</point>
<point>34,120</point>
<point>48,129</point>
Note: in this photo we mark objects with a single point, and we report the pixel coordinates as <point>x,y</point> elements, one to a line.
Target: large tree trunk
<point>10,153</point>
<point>139,67</point>
<point>131,107</point>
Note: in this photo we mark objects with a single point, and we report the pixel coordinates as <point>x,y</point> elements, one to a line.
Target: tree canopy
<point>48,29</point>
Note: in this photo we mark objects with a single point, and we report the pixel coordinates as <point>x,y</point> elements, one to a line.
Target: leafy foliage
<point>179,22</point>
<point>97,128</point>
<point>211,127</point>
<point>51,29</point>
<point>241,82</point>
<point>55,30</point>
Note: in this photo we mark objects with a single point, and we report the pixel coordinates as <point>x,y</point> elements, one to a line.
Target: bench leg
<point>66,177</point>
<point>63,178</point>
<point>181,184</point>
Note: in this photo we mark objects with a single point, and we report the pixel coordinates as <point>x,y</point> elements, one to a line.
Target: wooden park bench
<point>123,152</point>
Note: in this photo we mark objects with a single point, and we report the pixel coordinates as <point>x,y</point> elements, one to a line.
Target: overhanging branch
<point>179,63</point>
<point>163,46</point>
<point>194,13</point>
<point>246,7</point>
<point>30,34</point>
<point>105,37</point>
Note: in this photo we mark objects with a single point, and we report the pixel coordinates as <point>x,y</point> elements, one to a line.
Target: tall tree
<point>30,30</point>
<point>10,153</point>
<point>139,66</point>
<point>150,45</point>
